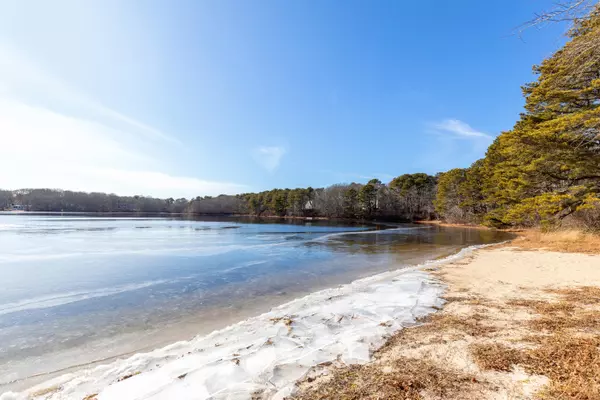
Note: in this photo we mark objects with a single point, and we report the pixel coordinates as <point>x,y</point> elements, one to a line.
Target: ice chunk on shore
<point>265,354</point>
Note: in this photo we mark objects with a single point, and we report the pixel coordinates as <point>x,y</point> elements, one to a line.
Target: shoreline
<point>438,222</point>
<point>517,323</point>
<point>284,322</point>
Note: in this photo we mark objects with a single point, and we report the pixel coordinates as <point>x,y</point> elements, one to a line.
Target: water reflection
<point>413,238</point>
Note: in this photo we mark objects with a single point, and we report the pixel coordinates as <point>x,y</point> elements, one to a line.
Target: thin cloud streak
<point>22,79</point>
<point>458,128</point>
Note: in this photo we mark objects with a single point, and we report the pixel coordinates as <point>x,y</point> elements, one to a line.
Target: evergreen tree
<point>548,166</point>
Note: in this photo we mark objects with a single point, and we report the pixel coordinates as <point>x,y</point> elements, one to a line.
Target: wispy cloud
<point>458,128</point>
<point>452,143</point>
<point>22,79</point>
<point>53,136</point>
<point>269,157</point>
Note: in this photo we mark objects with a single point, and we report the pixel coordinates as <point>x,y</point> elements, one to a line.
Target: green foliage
<point>448,189</point>
<point>548,166</point>
<point>419,181</point>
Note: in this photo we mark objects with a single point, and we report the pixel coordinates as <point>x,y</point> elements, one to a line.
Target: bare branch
<point>571,10</point>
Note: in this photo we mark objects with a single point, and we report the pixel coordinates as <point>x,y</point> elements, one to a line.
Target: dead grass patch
<point>407,379</point>
<point>567,354</point>
<point>582,295</point>
<point>453,299</point>
<point>564,240</point>
<point>471,325</point>
<point>571,363</point>
<point>543,307</point>
<point>470,300</point>
<point>578,321</point>
<point>439,328</point>
<point>533,339</point>
<point>495,356</point>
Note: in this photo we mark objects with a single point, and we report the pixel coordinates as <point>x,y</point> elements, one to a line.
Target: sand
<point>506,272</point>
<point>494,298</point>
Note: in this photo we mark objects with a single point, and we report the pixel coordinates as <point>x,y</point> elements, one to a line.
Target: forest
<point>543,172</point>
<point>406,198</point>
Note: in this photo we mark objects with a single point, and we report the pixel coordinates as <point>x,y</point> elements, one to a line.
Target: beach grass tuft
<point>406,379</point>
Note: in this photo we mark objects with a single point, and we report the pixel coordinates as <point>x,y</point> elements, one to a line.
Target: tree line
<point>406,198</point>
<point>53,200</point>
<point>545,171</point>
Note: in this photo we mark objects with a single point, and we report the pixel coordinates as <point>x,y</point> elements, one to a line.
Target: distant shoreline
<point>223,215</point>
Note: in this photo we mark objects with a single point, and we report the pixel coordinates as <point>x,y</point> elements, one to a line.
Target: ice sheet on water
<point>267,353</point>
<point>58,299</point>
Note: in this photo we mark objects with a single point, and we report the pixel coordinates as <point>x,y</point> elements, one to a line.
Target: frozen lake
<point>78,289</point>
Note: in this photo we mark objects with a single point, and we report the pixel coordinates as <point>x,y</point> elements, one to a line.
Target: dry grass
<point>436,328</point>
<point>569,353</point>
<point>571,363</point>
<point>404,379</point>
<point>470,300</point>
<point>471,325</point>
<point>583,295</point>
<point>543,307</point>
<point>408,377</point>
<point>579,321</point>
<point>572,241</point>
<point>496,357</point>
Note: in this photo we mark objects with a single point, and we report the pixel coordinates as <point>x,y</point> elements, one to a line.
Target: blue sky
<point>186,98</point>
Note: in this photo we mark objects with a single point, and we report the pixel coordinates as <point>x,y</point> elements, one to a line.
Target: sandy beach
<point>517,324</point>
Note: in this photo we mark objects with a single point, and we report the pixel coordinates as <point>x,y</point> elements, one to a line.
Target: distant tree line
<point>407,197</point>
<point>52,200</point>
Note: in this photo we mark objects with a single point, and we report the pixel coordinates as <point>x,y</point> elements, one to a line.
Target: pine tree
<point>548,166</point>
